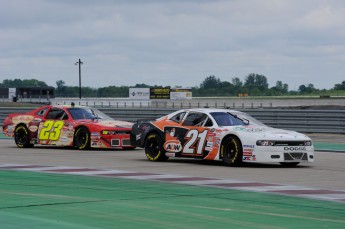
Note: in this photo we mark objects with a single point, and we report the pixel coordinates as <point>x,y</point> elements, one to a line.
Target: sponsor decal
<point>95,139</point>
<point>172,132</point>
<point>245,158</point>
<point>64,139</point>
<point>33,128</point>
<point>170,154</point>
<point>249,158</point>
<point>248,129</point>
<point>22,118</point>
<point>9,130</point>
<point>209,148</point>
<point>173,146</point>
<point>37,120</point>
<point>247,153</point>
<point>210,137</point>
<point>138,137</point>
<point>216,142</point>
<point>248,146</point>
<point>295,148</point>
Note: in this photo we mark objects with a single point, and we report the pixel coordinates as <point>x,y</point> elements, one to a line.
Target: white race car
<point>220,134</point>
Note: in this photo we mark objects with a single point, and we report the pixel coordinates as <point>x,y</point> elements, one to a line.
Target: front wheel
<point>154,148</point>
<point>82,138</point>
<point>22,137</point>
<point>231,151</point>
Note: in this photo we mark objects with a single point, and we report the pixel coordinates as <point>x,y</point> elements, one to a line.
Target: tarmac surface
<point>47,187</point>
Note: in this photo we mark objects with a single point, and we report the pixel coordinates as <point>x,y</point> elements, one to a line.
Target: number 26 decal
<point>51,130</point>
<point>195,140</point>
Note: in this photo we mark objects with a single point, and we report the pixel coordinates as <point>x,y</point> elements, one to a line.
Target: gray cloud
<point>173,42</point>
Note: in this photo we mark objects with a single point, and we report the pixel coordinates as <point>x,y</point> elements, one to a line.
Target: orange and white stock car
<point>77,126</point>
<point>220,134</point>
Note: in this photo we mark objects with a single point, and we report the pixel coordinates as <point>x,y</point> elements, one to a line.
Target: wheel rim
<point>152,147</point>
<point>21,136</point>
<point>231,150</point>
<point>82,138</point>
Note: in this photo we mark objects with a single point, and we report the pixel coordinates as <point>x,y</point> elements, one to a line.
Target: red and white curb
<point>306,192</point>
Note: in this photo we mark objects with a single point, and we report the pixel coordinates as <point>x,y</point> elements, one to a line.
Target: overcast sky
<point>173,42</point>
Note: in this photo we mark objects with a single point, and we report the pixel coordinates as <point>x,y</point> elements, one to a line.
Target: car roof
<point>203,110</point>
<point>208,110</point>
<point>68,106</point>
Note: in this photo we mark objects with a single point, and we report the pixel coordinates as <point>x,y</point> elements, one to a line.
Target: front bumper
<point>279,154</point>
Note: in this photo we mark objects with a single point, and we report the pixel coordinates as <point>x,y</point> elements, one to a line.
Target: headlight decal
<point>264,143</point>
<point>283,143</point>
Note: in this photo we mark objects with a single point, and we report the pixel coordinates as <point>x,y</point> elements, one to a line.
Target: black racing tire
<point>81,138</point>
<point>154,148</point>
<point>289,164</point>
<point>231,151</point>
<point>22,137</point>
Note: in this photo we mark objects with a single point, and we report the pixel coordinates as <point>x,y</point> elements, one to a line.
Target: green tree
<point>306,89</point>
<point>280,88</point>
<point>142,85</point>
<point>340,86</point>
<point>256,84</point>
<point>237,82</point>
<point>23,83</point>
<point>60,88</point>
<point>210,82</point>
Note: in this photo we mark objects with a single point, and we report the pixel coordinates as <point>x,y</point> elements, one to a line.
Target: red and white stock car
<point>77,126</point>
<point>219,134</point>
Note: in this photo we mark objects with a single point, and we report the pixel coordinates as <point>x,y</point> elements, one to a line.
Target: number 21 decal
<point>51,130</point>
<point>195,140</point>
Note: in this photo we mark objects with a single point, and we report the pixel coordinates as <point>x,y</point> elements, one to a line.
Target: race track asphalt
<point>44,196</point>
<point>38,200</point>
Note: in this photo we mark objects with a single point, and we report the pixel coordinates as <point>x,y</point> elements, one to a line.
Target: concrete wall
<point>232,102</point>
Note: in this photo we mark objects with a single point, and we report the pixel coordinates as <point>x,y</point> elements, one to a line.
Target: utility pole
<point>79,63</point>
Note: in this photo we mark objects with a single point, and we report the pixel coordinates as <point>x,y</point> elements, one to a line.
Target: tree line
<point>211,86</point>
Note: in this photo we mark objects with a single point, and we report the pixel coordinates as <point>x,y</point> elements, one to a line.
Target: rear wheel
<point>289,164</point>
<point>231,151</point>
<point>154,148</point>
<point>82,138</point>
<point>22,137</point>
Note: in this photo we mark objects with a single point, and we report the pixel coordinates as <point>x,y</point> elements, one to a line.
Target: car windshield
<point>227,119</point>
<point>87,113</point>
<point>247,118</point>
<point>234,119</point>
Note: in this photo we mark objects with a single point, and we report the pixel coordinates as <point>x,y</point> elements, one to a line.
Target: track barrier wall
<point>306,121</point>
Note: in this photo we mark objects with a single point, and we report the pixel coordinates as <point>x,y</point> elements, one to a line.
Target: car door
<point>188,138</point>
<point>50,131</point>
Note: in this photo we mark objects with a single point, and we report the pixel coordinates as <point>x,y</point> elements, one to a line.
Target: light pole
<point>79,63</point>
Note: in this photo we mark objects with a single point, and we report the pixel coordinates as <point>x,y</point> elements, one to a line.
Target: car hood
<point>266,132</point>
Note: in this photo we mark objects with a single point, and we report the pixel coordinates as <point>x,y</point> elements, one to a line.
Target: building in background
<point>27,92</point>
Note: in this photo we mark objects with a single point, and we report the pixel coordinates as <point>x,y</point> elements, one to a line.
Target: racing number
<point>194,137</point>
<point>51,130</point>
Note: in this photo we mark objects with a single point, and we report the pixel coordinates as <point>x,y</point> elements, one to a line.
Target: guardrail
<point>307,121</point>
